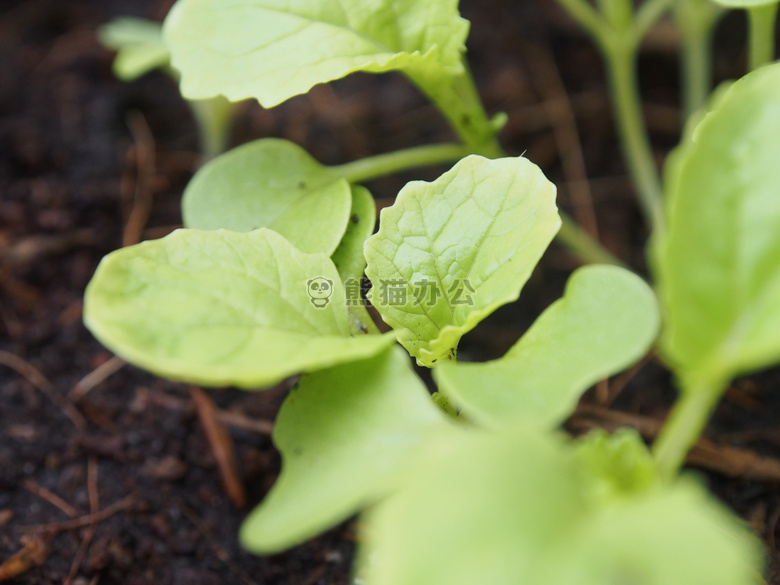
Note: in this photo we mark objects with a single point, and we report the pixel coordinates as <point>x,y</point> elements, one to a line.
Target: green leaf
<point>222,308</point>
<point>672,536</point>
<point>348,257</point>
<point>448,253</point>
<point>619,465</point>
<point>519,507</point>
<point>607,319</point>
<point>275,49</point>
<point>275,184</point>
<point>139,45</point>
<point>346,435</point>
<point>718,264</point>
<point>482,509</point>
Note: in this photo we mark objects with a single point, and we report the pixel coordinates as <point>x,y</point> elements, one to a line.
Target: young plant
<point>225,307</point>
<point>140,50</point>
<point>718,264</point>
<point>476,484</point>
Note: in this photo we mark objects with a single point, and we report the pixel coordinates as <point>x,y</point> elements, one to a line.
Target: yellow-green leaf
<point>448,253</point>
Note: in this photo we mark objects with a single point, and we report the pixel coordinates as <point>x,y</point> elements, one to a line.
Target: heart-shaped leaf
<point>607,319</point>
<point>718,264</point>
<point>274,49</point>
<point>346,435</point>
<point>448,253</point>
<point>223,308</point>
<point>275,184</point>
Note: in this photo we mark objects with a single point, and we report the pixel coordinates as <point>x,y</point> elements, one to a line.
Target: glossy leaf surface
<point>607,320</point>
<point>346,436</point>
<point>222,308</point>
<point>274,49</point>
<point>275,184</point>
<point>450,252</point>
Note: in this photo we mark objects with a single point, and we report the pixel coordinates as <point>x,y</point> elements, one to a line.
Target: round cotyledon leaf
<point>223,308</point>
<point>275,184</point>
<point>607,319</point>
<point>448,253</point>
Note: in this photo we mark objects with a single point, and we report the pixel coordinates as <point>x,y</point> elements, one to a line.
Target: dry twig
<point>139,196</point>
<point>34,552</point>
<point>32,375</point>
<point>221,446</point>
<point>559,111</point>
<point>95,377</point>
<point>40,491</point>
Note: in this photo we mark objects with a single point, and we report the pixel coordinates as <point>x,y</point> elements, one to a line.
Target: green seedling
<point>139,50</point>
<point>718,265</point>
<point>225,307</point>
<point>475,484</point>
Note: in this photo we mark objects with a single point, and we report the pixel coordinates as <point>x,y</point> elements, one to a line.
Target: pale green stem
<point>696,19</point>
<point>582,245</point>
<point>213,117</point>
<point>380,165</point>
<point>458,100</point>
<point>587,17</point>
<point>570,235</point>
<point>763,20</point>
<point>648,14</point>
<point>685,425</point>
<point>619,49</point>
<point>621,59</point>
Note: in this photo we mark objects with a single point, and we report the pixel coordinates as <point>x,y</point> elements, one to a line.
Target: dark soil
<point>83,157</point>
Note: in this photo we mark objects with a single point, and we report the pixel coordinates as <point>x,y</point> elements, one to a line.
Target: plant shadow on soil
<point>72,163</point>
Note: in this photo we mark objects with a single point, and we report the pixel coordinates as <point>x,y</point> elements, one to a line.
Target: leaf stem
<point>620,56</point>
<point>213,118</point>
<point>619,42</point>
<point>648,15</point>
<point>380,165</point>
<point>586,16</point>
<point>457,98</point>
<point>573,237</point>
<point>571,234</point>
<point>460,103</point>
<point>696,19</point>
<point>685,424</point>
<point>762,21</point>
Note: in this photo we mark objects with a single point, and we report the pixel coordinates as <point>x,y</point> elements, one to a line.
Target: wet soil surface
<point>116,481</point>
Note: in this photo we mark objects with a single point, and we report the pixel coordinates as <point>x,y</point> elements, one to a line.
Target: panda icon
<point>319,290</point>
